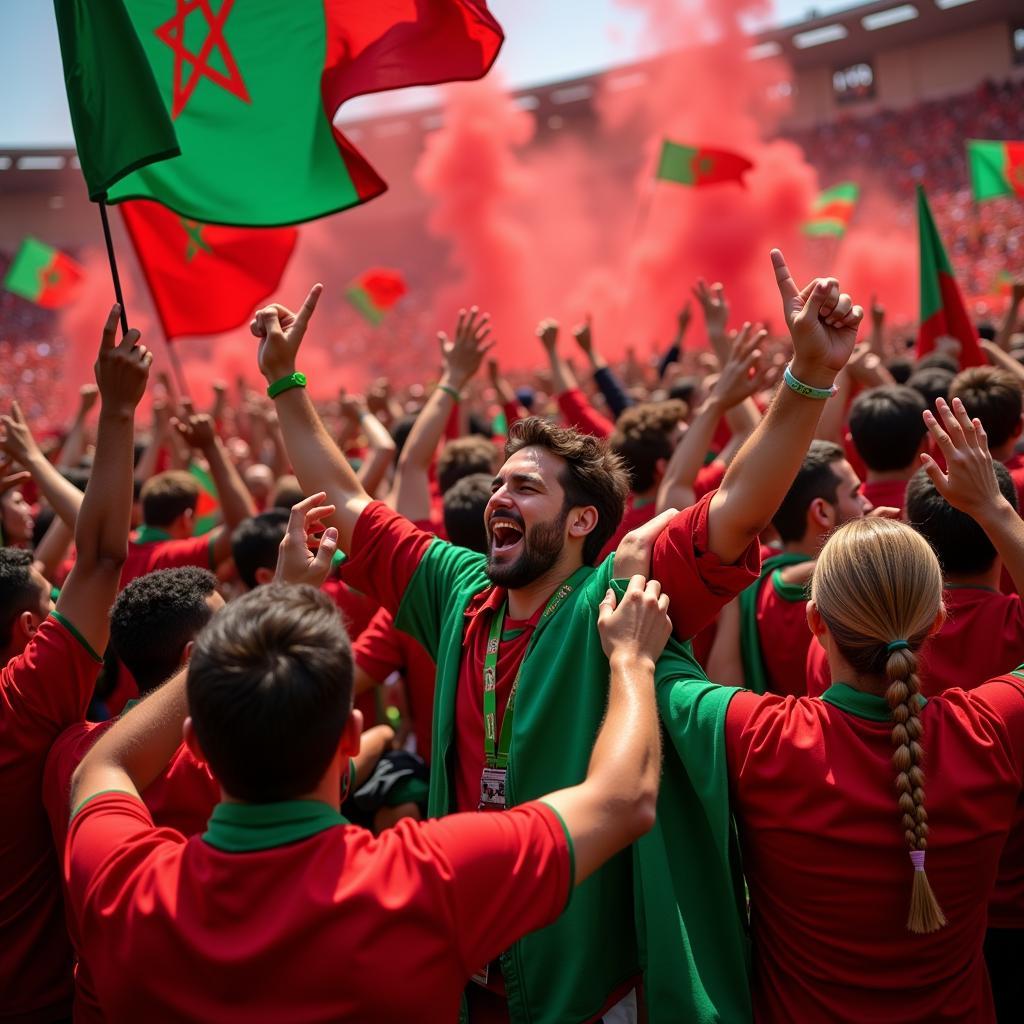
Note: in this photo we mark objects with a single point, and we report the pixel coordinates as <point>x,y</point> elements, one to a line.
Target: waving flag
<point>833,210</point>
<point>699,165</point>
<point>42,274</point>
<point>997,168</point>
<point>375,291</point>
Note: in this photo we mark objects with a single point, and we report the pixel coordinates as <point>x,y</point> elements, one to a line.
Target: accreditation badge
<point>492,790</point>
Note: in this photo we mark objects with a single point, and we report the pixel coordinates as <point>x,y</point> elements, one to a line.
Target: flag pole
<point>179,370</point>
<point>113,266</point>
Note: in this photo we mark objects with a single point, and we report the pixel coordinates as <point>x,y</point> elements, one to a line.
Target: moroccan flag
<point>205,278</point>
<point>119,119</point>
<point>43,275</point>
<point>207,514</point>
<point>942,305</point>
<point>997,168</point>
<point>375,291</point>
<point>833,210</point>
<point>698,165</point>
<point>253,89</point>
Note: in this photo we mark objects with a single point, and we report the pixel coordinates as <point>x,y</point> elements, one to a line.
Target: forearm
<point>762,473</point>
<point>73,449</point>
<point>677,485</point>
<point>63,496</point>
<point>146,466</point>
<point>235,500</point>
<point>997,357</point>
<point>137,748</point>
<point>1005,529</point>
<point>411,494</point>
<point>581,415</point>
<point>562,377</point>
<point>53,548</point>
<point>743,418</point>
<point>104,518</point>
<point>614,393</point>
<point>382,453</point>
<point>318,463</point>
<point>670,355</point>
<point>1007,326</point>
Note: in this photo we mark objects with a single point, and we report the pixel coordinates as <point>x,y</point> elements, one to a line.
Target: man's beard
<point>542,547</point>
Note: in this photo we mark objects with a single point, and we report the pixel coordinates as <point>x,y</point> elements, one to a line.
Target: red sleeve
<point>819,678</point>
<point>579,413</point>
<point>48,686</point>
<point>1004,695</point>
<point>378,651</point>
<point>698,584</point>
<point>514,412</point>
<point>499,875</point>
<point>109,839</point>
<point>386,549</point>
<point>709,478</point>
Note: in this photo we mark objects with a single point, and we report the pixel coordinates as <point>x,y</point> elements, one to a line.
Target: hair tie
<point>917,859</point>
<point>897,645</point>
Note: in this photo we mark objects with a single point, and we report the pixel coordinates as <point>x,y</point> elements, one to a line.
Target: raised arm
<point>236,502</point>
<point>576,409</point>
<point>604,376</point>
<point>461,359</point>
<point>381,444</point>
<point>969,483</point>
<point>101,533</point>
<point>823,324</point>
<point>73,449</point>
<point>615,803</point>
<point>317,462</point>
<point>1009,321</point>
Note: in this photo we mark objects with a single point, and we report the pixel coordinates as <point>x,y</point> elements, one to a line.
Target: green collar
<point>245,828</point>
<point>150,535</point>
<point>868,706</point>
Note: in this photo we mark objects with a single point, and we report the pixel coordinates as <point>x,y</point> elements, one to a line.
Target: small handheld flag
<point>997,168</point>
<point>833,211</point>
<point>42,274</point>
<point>699,165</point>
<point>375,291</point>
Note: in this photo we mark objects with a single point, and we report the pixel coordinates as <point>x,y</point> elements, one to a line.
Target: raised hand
<point>877,314</point>
<point>281,332</point>
<point>584,336</point>
<point>295,562</point>
<point>16,440</point>
<point>969,482</point>
<point>547,331</point>
<point>463,355</point>
<point>743,374</point>
<point>713,304</point>
<point>88,396</point>
<point>683,318</point>
<point>638,626</point>
<point>351,407</point>
<point>122,368</point>
<point>197,431</point>
<point>822,321</point>
<point>633,555</point>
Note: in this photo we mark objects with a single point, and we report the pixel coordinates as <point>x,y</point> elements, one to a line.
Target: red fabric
<point>581,415</point>
<point>711,166</point>
<point>125,689</point>
<point>785,638</point>
<point>709,478</point>
<point>357,609</point>
<point>341,926</point>
<point>43,690</point>
<point>59,281</point>
<point>853,456</point>
<point>204,278</point>
<point>376,46</point>
<point>383,285</point>
<point>1015,166</point>
<point>885,493</point>
<point>636,515</point>
<point>182,798</point>
<point>827,865</point>
<point>951,319</point>
<point>165,554</point>
<point>382,649</point>
<point>1015,464</point>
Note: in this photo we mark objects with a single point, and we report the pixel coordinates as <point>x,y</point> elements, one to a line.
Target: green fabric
<point>102,792</point>
<point>676,163</point>
<point>244,828</point>
<point>572,849</point>
<point>755,676</point>
<point>270,91</point>
<point>24,277</point>
<point>205,523</point>
<point>74,632</point>
<point>119,118</point>
<point>365,306</point>
<point>868,706</point>
<point>846,192</point>
<point>933,259</point>
<point>831,227</point>
<point>561,703</point>
<point>151,535</point>
<point>987,162</point>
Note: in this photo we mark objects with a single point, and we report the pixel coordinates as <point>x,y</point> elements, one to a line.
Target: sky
<point>545,40</point>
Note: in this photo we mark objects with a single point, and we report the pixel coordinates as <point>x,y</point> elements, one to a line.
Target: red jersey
<point>286,912</point>
<point>1015,464</point>
<point>638,512</point>
<point>784,634</point>
<point>182,798</point>
<point>388,549</point>
<point>382,649</point>
<point>42,691</point>
<point>885,493</point>
<point>151,549</point>
<point>579,414</point>
<point>827,866</point>
<point>709,478</point>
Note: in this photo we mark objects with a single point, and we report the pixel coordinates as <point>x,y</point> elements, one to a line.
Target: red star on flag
<point>173,34</point>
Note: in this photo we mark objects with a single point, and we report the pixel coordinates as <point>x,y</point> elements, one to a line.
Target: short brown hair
<point>994,397</point>
<point>166,496</point>
<point>593,474</point>
<point>464,456</point>
<point>644,434</point>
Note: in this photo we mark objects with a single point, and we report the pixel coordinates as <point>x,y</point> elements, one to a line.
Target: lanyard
<point>497,756</point>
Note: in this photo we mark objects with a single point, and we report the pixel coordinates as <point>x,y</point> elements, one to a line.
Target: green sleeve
<point>440,587</point>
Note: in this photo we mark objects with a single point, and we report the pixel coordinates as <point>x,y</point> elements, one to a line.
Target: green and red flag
<point>207,514</point>
<point>833,210</point>
<point>42,274</point>
<point>205,278</point>
<point>700,165</point>
<point>942,306</point>
<point>375,291</point>
<point>253,89</point>
<point>117,113</point>
<point>997,168</point>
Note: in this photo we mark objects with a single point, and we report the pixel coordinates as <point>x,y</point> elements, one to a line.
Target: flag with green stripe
<point>997,168</point>
<point>375,291</point>
<point>42,274</point>
<point>833,211</point>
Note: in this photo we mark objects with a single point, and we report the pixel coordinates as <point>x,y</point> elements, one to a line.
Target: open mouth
<point>505,533</point>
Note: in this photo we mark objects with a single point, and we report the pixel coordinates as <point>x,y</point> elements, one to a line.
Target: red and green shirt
<point>286,912</point>
<point>43,690</point>
<point>812,788</point>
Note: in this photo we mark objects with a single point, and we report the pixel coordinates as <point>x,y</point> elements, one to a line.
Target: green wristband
<point>293,380</point>
<point>450,391</point>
